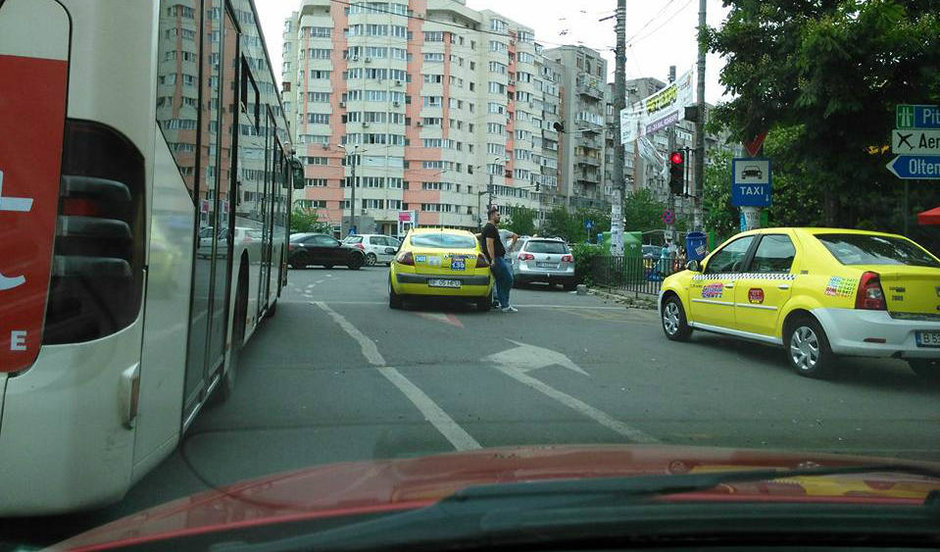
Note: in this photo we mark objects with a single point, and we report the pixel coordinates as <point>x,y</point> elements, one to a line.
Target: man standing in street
<point>495,252</point>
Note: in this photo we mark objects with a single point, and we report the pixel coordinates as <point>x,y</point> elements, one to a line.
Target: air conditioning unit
<point>398,83</point>
<point>326,146</point>
<point>364,211</point>
<point>365,124</point>
<point>396,104</point>
<point>342,104</point>
<point>419,124</point>
<point>354,58</point>
<point>512,82</point>
<point>368,60</point>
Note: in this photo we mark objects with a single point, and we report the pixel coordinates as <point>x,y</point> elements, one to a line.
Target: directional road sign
<point>751,182</point>
<point>915,167</point>
<point>915,142</point>
<point>918,116</point>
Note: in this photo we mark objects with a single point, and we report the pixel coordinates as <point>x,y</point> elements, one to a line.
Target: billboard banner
<point>657,111</point>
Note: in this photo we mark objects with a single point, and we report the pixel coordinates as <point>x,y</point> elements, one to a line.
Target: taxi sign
<point>751,182</point>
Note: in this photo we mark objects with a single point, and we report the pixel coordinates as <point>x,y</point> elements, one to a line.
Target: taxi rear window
<point>444,241</point>
<point>864,249</point>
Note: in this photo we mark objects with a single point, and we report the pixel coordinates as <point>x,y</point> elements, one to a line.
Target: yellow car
<point>818,293</point>
<point>440,263</point>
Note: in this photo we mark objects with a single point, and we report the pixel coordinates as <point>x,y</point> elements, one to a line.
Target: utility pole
<point>620,99</point>
<point>671,137</point>
<point>352,205</point>
<point>698,189</point>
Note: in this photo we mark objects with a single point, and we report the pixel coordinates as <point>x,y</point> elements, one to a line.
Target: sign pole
<point>906,208</point>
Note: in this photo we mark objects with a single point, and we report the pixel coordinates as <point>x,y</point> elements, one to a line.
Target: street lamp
<point>352,201</point>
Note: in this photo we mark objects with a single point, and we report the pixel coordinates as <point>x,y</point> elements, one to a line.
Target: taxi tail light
<point>567,259</point>
<point>97,269</point>
<point>870,295</point>
<point>482,262</point>
<point>406,258</point>
<point>526,256</point>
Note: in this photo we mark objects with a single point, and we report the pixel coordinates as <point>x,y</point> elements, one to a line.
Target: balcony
<point>590,91</point>
<point>590,177</point>
<point>588,161</point>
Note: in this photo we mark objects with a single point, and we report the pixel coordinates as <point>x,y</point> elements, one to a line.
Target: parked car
<point>322,249</point>
<point>379,248</point>
<point>440,263</point>
<point>242,235</point>
<point>816,292</point>
<point>546,260</point>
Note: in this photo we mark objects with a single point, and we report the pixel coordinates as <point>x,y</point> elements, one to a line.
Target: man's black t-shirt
<point>490,231</point>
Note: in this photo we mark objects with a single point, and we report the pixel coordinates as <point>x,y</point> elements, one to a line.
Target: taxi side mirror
<point>693,266</point>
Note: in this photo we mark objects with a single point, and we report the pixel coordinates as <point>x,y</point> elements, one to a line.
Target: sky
<point>660,33</point>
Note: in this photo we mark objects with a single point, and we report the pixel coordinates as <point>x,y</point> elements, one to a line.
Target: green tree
<point>559,222</point>
<point>827,76</point>
<point>522,221</point>
<point>720,216</point>
<point>307,220</point>
<point>642,211</point>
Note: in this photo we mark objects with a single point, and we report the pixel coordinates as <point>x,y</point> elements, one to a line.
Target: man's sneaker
<point>510,309</point>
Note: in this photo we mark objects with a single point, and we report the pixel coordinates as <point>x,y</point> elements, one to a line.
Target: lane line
<point>434,414</point>
<point>450,429</point>
<point>318,282</point>
<point>580,406</point>
<point>369,349</point>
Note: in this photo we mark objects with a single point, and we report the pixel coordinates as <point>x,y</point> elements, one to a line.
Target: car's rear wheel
<point>394,300</point>
<point>926,368</point>
<point>808,348</point>
<point>355,262</point>
<point>484,304</point>
<point>371,259</point>
<point>675,325</point>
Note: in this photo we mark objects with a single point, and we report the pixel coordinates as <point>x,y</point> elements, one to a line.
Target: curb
<point>630,301</point>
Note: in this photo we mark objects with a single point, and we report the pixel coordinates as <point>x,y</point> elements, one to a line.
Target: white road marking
<point>318,282</point>
<point>458,437</point>
<point>525,358</point>
<point>434,414</point>
<point>635,435</point>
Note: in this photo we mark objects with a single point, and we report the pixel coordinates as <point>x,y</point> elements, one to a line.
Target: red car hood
<point>368,487</point>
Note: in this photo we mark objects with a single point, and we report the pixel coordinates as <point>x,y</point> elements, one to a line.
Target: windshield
<point>443,241</point>
<point>326,259</point>
<point>860,249</point>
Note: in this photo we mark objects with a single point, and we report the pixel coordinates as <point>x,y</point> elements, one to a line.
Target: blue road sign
<point>915,167</point>
<point>751,182</point>
<point>918,116</point>
<point>589,224</point>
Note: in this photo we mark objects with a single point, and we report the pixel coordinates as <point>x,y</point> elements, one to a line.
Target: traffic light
<point>676,172</point>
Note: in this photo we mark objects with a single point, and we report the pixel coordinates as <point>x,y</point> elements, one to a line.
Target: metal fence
<point>631,274</point>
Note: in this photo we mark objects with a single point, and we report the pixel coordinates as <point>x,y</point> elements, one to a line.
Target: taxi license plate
<point>458,265</point>
<point>927,339</point>
<point>444,283</point>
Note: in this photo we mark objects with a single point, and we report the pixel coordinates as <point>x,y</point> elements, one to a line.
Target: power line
<point>651,19</point>
<point>637,39</point>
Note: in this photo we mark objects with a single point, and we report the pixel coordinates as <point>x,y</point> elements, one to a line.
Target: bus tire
<point>227,385</point>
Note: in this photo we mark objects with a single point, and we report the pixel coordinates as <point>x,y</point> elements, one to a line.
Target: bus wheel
<point>227,385</point>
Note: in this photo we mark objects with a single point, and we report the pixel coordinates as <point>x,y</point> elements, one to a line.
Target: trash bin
<point>696,246</point>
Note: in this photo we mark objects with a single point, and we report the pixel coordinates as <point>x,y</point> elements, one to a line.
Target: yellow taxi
<point>817,292</point>
<point>440,262</point>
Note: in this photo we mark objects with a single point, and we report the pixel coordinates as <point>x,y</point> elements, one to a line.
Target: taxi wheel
<point>925,368</point>
<point>675,325</point>
<point>394,300</point>
<point>484,304</point>
<point>808,348</point>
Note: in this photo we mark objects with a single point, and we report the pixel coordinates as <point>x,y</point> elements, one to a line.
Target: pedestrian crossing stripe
<point>744,276</point>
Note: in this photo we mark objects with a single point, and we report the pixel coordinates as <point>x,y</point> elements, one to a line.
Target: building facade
<point>443,109</point>
<point>582,153</point>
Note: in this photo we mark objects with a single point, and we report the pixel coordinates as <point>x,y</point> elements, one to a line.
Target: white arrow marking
<point>10,283</point>
<point>525,358</point>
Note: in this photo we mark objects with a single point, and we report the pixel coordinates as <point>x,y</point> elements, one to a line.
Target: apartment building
<point>581,156</point>
<point>441,108</point>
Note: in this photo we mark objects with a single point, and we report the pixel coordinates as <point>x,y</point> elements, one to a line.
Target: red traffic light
<point>676,158</point>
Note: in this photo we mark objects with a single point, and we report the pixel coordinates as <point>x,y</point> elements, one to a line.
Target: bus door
<point>267,201</point>
<point>214,172</point>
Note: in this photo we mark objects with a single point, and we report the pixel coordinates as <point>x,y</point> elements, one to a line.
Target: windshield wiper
<point>542,507</point>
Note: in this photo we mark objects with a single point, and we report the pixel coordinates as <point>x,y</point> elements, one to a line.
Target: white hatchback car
<point>378,248</point>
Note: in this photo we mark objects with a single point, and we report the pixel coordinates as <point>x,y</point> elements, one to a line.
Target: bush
<point>584,255</point>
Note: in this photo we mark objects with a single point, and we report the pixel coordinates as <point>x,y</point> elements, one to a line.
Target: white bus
<point>145,185</point>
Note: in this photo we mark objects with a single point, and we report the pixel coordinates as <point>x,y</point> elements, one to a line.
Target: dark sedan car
<point>322,249</point>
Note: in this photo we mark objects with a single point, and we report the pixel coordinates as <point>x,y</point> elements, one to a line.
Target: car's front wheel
<point>355,262</point>
<point>926,368</point>
<point>808,348</point>
<point>675,325</point>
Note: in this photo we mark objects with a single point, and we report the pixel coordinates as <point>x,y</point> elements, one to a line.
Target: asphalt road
<point>337,376</point>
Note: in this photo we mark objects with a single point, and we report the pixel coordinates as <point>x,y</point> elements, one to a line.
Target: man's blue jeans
<point>502,272</point>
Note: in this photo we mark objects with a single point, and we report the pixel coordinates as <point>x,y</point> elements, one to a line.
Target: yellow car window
<point>775,253</point>
<point>730,257</point>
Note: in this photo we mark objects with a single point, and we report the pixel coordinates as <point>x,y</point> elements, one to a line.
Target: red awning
<point>929,218</point>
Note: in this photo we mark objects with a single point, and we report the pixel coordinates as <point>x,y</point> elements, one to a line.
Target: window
<point>433,164</point>
<point>394,182</point>
<point>394,204</point>
<point>318,97</point>
<point>729,258</point>
<point>497,67</point>
<point>432,121</point>
<point>432,101</point>
<point>399,31</point>
<point>774,253</point>
<point>865,249</point>
<point>318,118</point>
<point>498,25</point>
<point>319,74</point>
<point>496,149</point>
<point>433,58</point>
<point>496,46</point>
<point>433,36</point>
<point>373,203</point>
<point>321,32</point>
<point>434,79</point>
<point>495,128</point>
<point>315,182</point>
<point>497,88</point>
